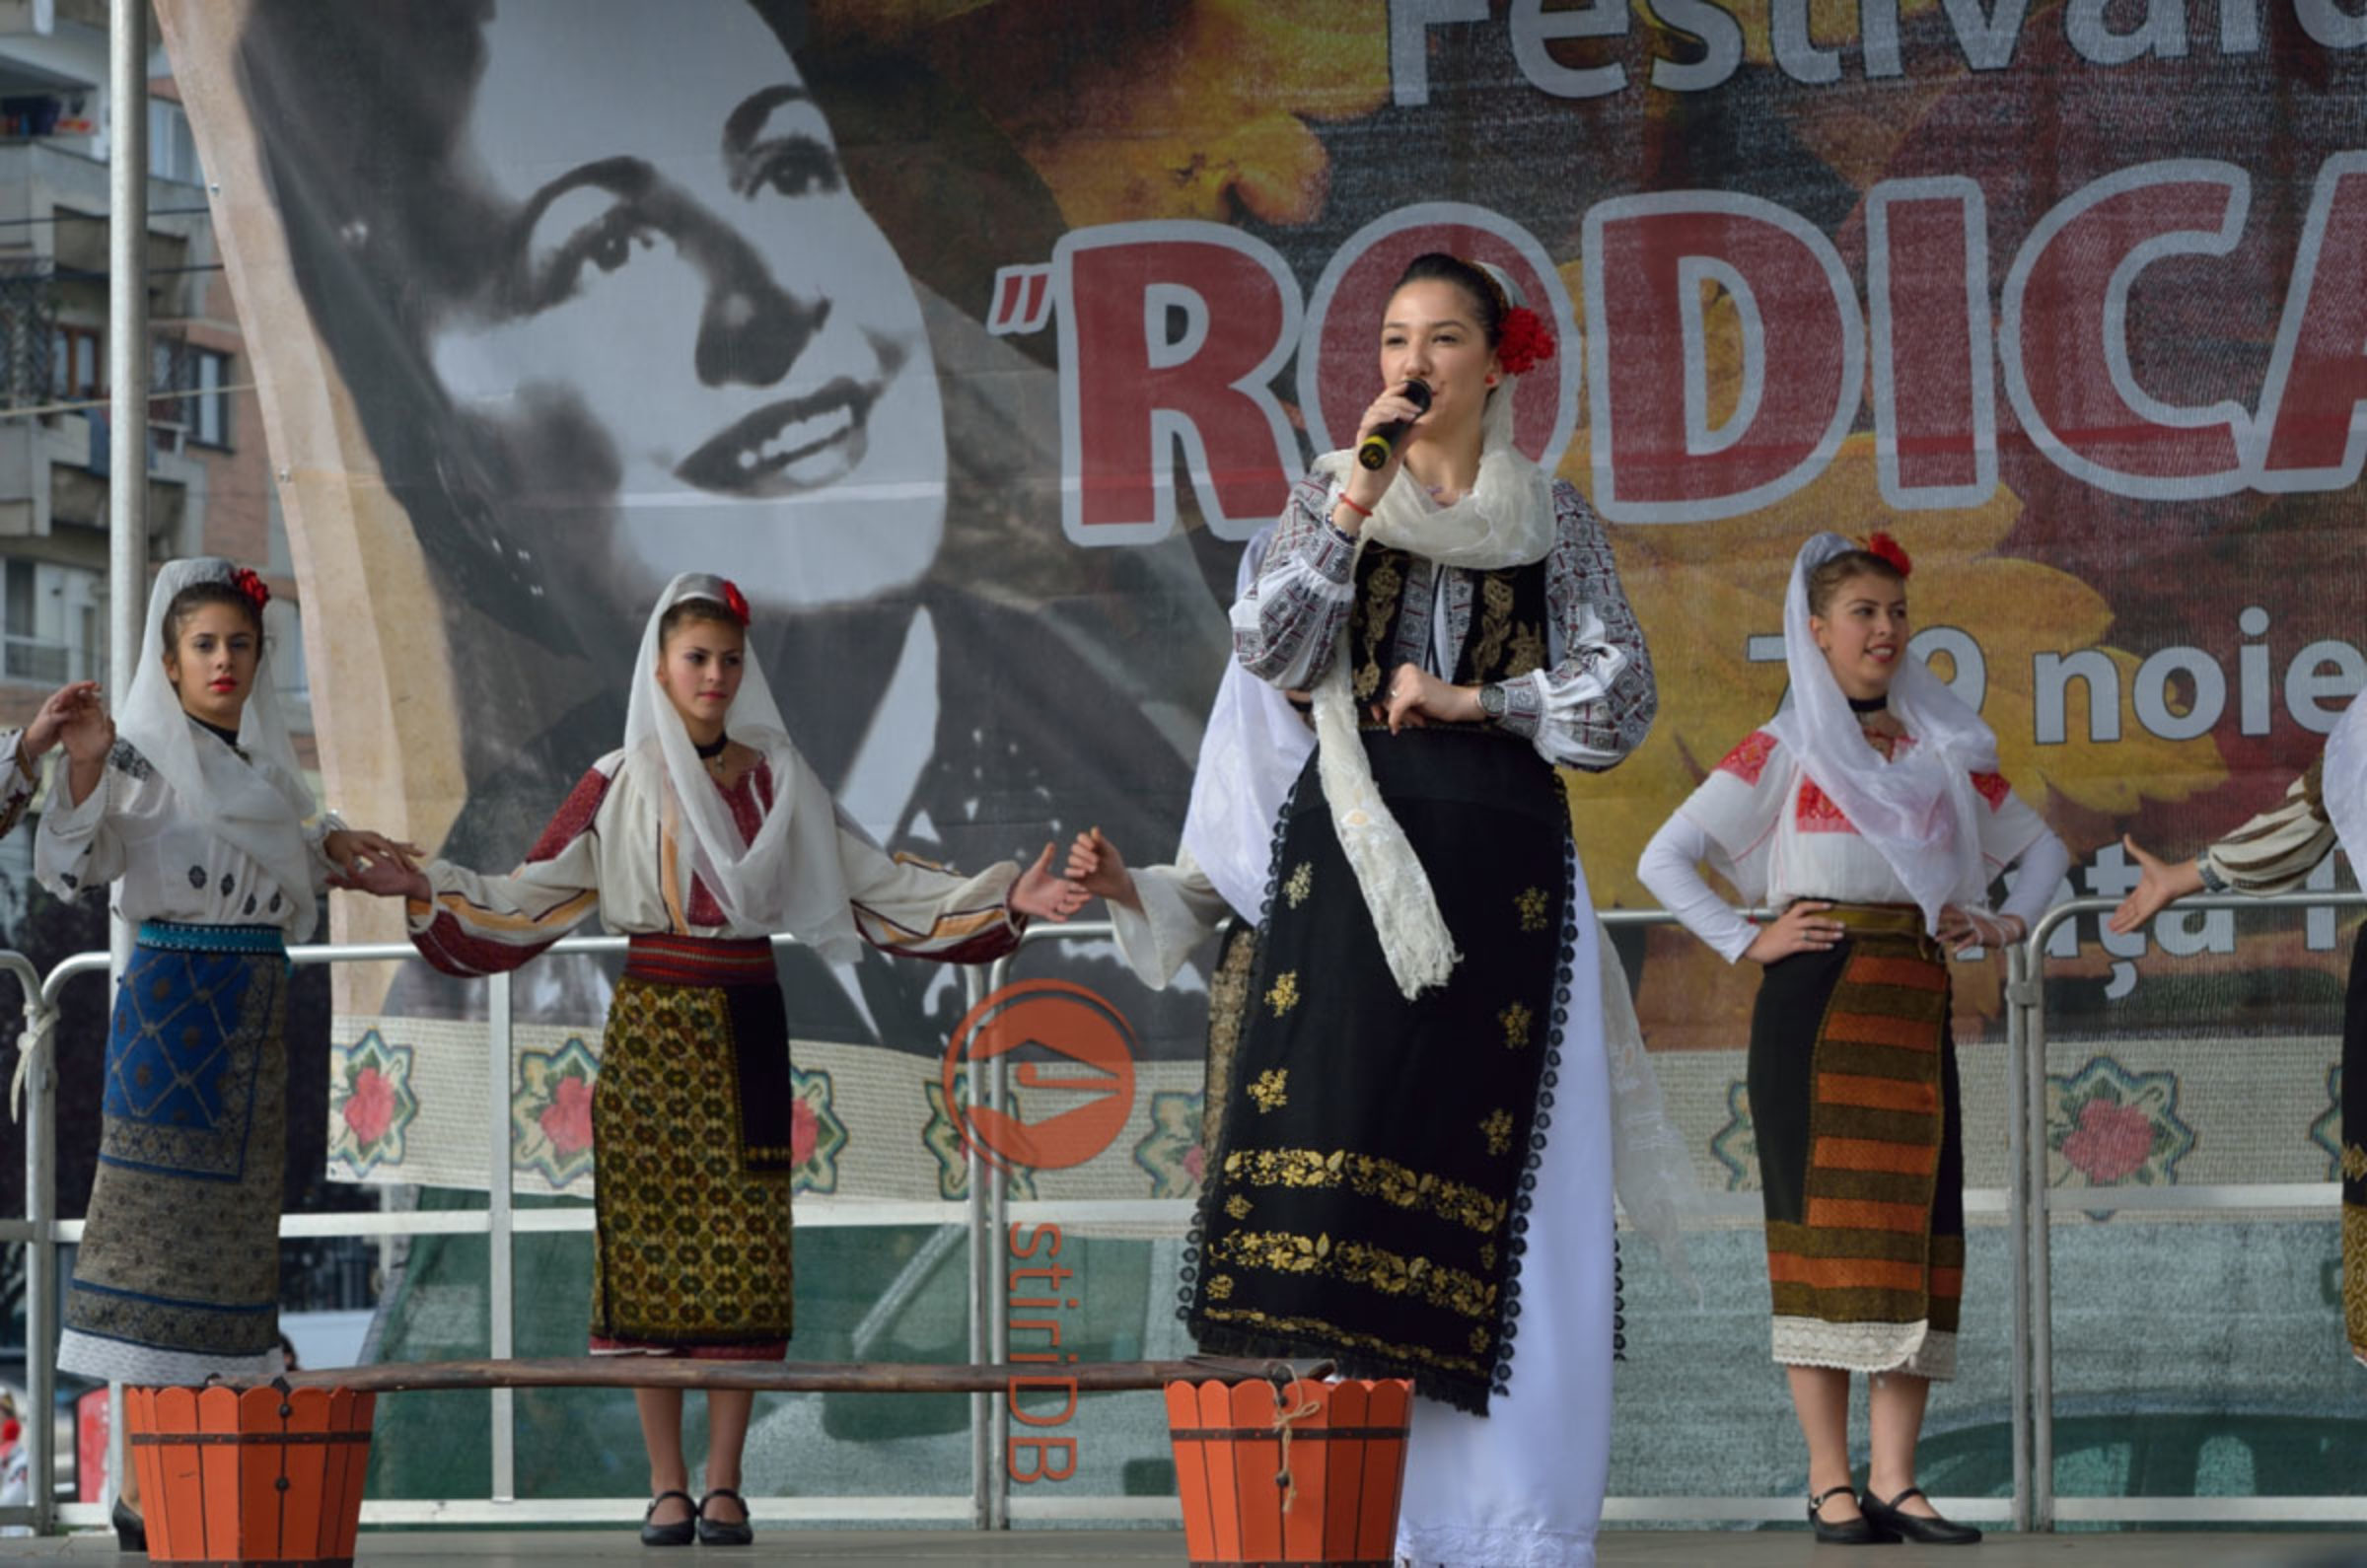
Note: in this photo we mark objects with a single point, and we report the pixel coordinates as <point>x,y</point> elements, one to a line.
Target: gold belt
<point>1877,919</point>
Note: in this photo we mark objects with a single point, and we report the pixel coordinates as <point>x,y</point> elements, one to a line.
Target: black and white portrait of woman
<point>609,307</point>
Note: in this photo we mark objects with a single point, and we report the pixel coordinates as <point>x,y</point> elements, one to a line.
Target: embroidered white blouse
<point>17,782</point>
<point>133,829</point>
<point>612,847</point>
<point>1760,802</point>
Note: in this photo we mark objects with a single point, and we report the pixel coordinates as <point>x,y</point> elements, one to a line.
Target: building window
<point>77,362</point>
<point>51,622</point>
<point>208,412</point>
<point>171,151</point>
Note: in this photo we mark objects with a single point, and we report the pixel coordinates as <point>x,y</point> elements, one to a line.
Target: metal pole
<point>500,1277</point>
<point>998,1303</point>
<point>981,1278</point>
<point>40,1282</point>
<point>127,430</point>
<point>2018,988</point>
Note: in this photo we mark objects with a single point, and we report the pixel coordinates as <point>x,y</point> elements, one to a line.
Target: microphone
<point>1374,449</point>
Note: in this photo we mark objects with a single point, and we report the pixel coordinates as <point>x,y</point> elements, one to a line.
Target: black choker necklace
<point>1870,704</point>
<point>709,752</point>
<point>229,738</point>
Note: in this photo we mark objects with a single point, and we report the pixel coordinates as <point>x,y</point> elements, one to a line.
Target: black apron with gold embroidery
<point>1366,1202</point>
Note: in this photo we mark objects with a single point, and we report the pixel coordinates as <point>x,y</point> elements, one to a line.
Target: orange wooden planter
<point>1330,1496</point>
<point>271,1475</point>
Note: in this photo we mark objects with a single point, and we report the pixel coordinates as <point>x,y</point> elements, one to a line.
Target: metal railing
<point>988,1210</point>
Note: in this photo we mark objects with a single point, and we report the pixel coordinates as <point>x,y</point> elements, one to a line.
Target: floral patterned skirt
<point>1854,1106</point>
<point>1368,1198</point>
<point>690,1247</point>
<point>177,1275</point>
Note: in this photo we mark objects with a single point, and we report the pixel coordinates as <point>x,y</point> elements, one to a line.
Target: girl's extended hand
<point>1039,893</point>
<point>2160,884</point>
<point>1963,928</point>
<point>387,878</point>
<point>1095,865</point>
<point>1366,487</point>
<point>342,845</point>
<point>1414,697</point>
<point>1796,930</point>
<point>49,725</point>
<point>85,728</point>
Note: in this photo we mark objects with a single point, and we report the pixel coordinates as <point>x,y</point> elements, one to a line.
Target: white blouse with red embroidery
<point>1759,806</point>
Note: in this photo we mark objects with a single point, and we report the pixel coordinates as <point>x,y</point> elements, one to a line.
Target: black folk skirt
<point>1368,1197</point>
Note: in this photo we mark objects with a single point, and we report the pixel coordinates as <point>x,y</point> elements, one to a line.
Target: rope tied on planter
<point>1284,1421</point>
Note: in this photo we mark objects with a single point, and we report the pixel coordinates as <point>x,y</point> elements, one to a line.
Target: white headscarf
<point>2342,783</point>
<point>1919,809</point>
<point>789,878</point>
<point>257,804</point>
<point>1506,520</point>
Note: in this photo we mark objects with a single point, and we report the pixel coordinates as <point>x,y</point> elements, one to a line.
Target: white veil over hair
<point>257,804</point>
<point>1919,809</point>
<point>789,877</point>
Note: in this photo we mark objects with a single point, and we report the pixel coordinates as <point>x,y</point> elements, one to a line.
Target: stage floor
<point>1123,1549</point>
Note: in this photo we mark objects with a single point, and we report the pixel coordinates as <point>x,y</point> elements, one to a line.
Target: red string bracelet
<point>1360,511</point>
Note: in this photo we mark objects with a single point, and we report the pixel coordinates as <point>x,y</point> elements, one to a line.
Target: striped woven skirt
<point>177,1275</point>
<point>1854,1106</point>
<point>692,1139</point>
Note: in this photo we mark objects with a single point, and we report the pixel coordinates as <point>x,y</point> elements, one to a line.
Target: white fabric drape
<point>788,877</point>
<point>1919,809</point>
<point>2343,783</point>
<point>257,804</point>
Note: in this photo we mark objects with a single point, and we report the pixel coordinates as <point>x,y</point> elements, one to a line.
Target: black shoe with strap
<point>1858,1532</point>
<point>724,1532</point>
<point>679,1534</point>
<point>1923,1529</point>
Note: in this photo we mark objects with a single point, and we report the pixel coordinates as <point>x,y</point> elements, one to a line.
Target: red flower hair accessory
<point>1889,549</point>
<point>1523,340</point>
<point>257,591</point>
<point>735,601</point>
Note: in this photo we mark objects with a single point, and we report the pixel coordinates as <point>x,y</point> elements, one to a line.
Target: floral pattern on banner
<point>816,1137</point>
<point>2108,1126</point>
<point>2327,1131</point>
<point>551,1112</point>
<point>942,1137</point>
<point>1736,1145</point>
<point>370,1103</point>
<point>1170,1152</point>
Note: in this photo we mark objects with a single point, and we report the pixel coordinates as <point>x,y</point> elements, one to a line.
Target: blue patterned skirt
<point>178,1276</point>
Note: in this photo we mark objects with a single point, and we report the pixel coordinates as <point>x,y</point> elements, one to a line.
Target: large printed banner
<point>972,338</point>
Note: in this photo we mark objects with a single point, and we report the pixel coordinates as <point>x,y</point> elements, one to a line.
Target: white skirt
<point>1522,1486</point>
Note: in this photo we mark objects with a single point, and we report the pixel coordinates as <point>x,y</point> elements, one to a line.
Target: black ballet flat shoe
<point>1933,1531</point>
<point>131,1531</point>
<point>722,1532</point>
<point>1858,1532</point>
<point>679,1534</point>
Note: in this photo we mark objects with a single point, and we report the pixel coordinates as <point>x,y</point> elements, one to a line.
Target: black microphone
<point>1374,449</point>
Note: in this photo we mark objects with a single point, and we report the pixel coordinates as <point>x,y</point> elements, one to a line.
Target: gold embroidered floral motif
<point>1487,1254</point>
<point>1360,1263</point>
<point>2354,1275</point>
<point>1301,884</point>
<point>1269,1089</point>
<point>1284,994</point>
<point>1370,1177</point>
<point>1376,616</point>
<point>1237,1206</point>
<point>1495,622</point>
<point>2354,1163</point>
<point>1220,1287</point>
<point>1528,652</point>
<point>1480,1339</point>
<point>1497,1130</point>
<point>1516,1020</point>
<point>1532,905</point>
